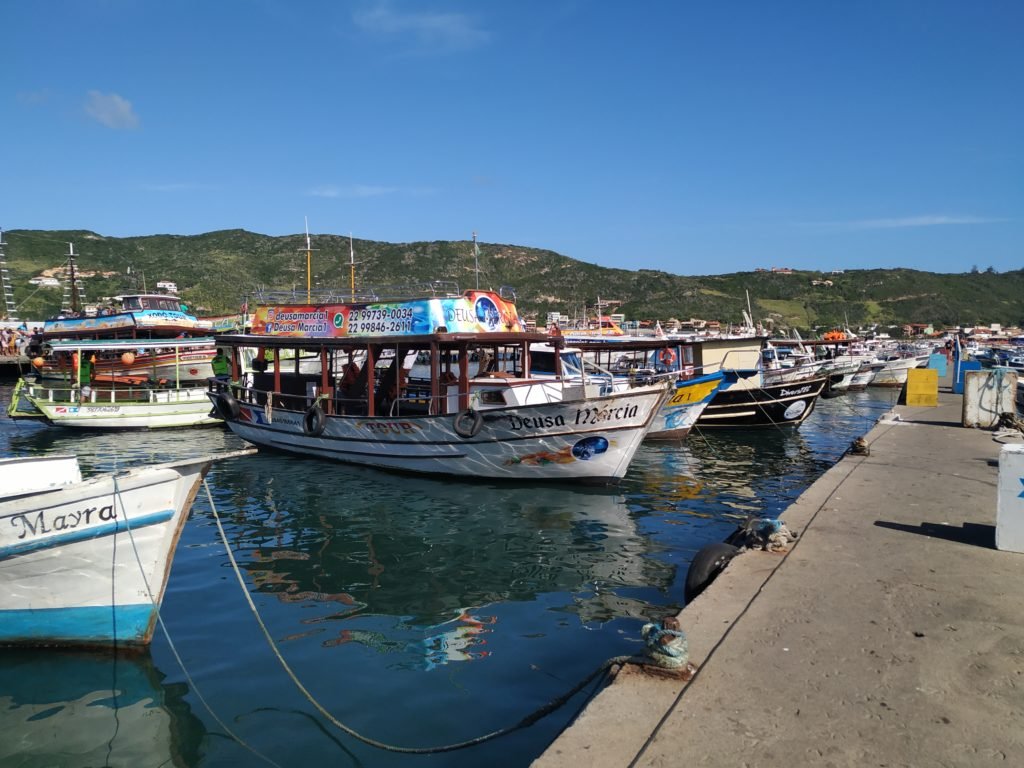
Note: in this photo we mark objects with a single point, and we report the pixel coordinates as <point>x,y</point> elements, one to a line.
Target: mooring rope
<point>530,719</point>
<point>170,642</point>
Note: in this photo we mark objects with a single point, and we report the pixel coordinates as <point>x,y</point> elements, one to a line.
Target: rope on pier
<point>765,533</point>
<point>530,719</point>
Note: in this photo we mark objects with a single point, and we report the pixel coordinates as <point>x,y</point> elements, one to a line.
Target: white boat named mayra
<point>472,408</point>
<point>119,402</point>
<point>86,562</point>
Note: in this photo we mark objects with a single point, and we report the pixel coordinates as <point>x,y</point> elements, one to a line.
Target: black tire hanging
<point>709,561</point>
<point>468,423</point>
<point>226,407</point>
<point>314,422</point>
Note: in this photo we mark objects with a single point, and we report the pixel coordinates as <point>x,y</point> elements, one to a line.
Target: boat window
<point>542,362</point>
<point>572,363</point>
<point>492,397</point>
<point>131,303</point>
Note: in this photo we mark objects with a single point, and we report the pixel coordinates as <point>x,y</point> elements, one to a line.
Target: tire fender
<point>226,407</point>
<point>314,421</point>
<point>468,423</point>
<point>709,561</point>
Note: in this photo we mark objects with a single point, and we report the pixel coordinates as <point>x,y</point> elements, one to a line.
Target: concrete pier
<point>890,634</point>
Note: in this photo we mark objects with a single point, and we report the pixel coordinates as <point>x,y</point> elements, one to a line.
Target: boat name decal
<point>801,391</point>
<point>101,408</point>
<point>600,415</point>
<point>517,423</point>
<point>39,525</point>
<point>389,427</point>
<point>285,321</point>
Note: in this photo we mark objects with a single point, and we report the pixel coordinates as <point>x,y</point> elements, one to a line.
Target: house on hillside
<point>917,330</point>
<point>167,285</point>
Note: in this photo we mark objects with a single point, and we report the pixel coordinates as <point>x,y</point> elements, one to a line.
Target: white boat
<point>467,419</point>
<point>118,402</point>
<point>863,377</point>
<point>86,562</point>
<point>893,372</point>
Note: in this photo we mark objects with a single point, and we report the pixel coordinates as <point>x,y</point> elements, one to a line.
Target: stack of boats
<point>430,380</point>
<point>144,365</point>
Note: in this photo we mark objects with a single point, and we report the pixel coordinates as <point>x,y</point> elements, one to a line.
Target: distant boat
<point>86,562</point>
<point>142,315</point>
<point>122,400</point>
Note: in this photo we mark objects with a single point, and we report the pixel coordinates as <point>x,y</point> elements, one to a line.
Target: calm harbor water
<point>417,612</point>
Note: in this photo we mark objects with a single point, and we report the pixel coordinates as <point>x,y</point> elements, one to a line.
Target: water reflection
<point>411,564</point>
<point>84,709</point>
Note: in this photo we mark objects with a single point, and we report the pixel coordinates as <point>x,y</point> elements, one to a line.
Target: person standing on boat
<point>84,364</point>
<point>221,366</point>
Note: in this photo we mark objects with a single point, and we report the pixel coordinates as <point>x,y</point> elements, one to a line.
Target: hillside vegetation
<point>215,272</point>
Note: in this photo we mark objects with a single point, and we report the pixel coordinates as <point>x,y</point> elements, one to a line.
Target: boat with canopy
<point>424,379</point>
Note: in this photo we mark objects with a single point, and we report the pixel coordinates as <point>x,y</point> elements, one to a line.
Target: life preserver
<point>667,356</point>
<point>468,423</point>
<point>225,406</point>
<point>314,421</point>
<point>706,565</point>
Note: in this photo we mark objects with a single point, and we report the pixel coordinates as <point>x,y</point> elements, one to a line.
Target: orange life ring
<point>667,356</point>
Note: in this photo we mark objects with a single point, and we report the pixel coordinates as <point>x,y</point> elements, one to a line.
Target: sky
<point>691,137</point>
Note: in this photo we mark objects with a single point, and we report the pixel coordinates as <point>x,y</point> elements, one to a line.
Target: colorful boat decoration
<point>117,402</point>
<point>86,562</point>
<point>471,407</point>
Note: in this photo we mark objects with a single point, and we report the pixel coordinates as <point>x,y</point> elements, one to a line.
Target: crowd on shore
<point>14,340</point>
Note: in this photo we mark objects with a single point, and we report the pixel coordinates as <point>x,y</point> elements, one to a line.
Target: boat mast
<point>73,295</point>
<point>309,263</point>
<point>5,279</point>
<point>476,261</point>
<point>351,268</point>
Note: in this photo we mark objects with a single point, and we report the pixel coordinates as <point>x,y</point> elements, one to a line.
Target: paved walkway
<point>891,634</point>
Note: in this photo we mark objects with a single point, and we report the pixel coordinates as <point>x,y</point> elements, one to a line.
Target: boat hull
<point>591,440</point>
<point>683,407</point>
<point>765,406</point>
<point>87,563</point>
<point>189,366</point>
<point>894,373</point>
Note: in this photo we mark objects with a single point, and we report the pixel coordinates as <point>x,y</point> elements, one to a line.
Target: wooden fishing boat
<point>471,409</point>
<point>86,562</point>
<point>117,402</point>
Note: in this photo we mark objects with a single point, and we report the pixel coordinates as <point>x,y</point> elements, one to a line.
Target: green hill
<point>215,271</point>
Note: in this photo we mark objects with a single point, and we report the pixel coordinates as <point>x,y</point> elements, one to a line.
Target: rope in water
<point>170,642</point>
<point>530,719</point>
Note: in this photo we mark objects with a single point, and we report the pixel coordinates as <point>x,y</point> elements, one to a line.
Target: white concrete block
<point>987,395</point>
<point>1010,502</point>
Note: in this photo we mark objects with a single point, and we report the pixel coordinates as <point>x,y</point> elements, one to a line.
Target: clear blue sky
<point>692,137</point>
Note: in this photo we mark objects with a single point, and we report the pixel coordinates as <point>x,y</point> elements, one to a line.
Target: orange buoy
<point>38,362</point>
<point>128,358</point>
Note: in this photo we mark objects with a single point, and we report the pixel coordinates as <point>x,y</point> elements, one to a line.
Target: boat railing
<point>415,397</point>
<point>149,393</point>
